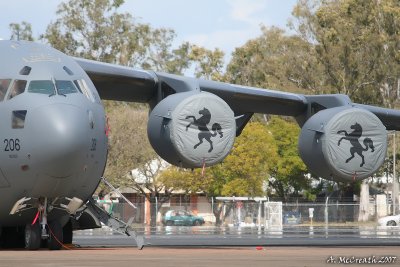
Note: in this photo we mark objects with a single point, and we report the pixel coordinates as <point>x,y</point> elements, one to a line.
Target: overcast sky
<point>211,23</point>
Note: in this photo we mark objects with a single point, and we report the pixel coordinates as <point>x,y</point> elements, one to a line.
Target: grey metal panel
<point>115,82</point>
<point>250,99</point>
<point>329,101</point>
<point>179,83</point>
<point>389,117</point>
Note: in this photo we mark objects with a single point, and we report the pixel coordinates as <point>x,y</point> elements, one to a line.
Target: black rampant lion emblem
<point>353,138</point>
<point>205,133</point>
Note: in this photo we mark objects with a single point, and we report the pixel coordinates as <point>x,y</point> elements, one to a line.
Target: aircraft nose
<point>60,134</point>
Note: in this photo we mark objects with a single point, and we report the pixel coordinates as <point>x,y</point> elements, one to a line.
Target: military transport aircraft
<point>54,135</point>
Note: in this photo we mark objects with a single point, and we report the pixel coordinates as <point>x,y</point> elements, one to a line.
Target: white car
<point>389,220</point>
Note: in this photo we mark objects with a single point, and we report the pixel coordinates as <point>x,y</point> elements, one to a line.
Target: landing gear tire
<point>32,236</point>
<point>55,236</point>
<point>67,233</point>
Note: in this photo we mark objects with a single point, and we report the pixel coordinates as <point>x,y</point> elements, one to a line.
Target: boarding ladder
<point>114,223</point>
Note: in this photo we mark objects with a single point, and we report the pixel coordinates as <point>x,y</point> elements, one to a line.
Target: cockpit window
<point>17,88</point>
<point>65,87</point>
<point>4,83</point>
<point>78,86</point>
<point>41,87</point>
<point>84,89</point>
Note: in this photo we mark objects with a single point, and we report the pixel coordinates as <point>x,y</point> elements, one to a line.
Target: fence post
<point>212,205</point>
<point>259,215</point>
<point>156,209</point>
<point>326,213</point>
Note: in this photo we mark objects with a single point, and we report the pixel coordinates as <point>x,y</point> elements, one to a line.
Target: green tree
<point>146,179</point>
<point>248,165</point>
<point>276,60</point>
<point>160,55</point>
<point>209,64</point>
<point>21,31</point>
<point>130,149</point>
<point>289,172</point>
<point>96,30</point>
<point>356,41</point>
<point>128,146</point>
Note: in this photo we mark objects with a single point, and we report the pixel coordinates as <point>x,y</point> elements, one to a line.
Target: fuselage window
<point>17,88</point>
<point>18,119</point>
<point>42,87</point>
<point>65,87</point>
<point>4,83</point>
<point>84,89</point>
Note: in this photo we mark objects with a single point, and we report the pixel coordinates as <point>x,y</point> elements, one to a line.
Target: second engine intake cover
<point>343,143</point>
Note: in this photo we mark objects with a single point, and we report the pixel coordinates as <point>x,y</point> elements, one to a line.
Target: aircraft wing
<point>115,82</point>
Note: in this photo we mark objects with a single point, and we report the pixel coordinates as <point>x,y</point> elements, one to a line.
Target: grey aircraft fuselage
<point>52,130</point>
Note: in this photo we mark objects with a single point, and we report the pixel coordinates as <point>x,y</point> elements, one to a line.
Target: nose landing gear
<point>39,231</point>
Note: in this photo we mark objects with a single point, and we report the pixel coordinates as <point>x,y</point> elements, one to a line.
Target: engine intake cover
<point>343,143</point>
<point>191,129</point>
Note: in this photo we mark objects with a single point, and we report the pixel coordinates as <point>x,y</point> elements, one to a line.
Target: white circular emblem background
<point>188,132</point>
<point>354,122</point>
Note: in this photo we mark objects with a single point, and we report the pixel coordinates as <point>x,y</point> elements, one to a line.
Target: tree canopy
<point>357,43</point>
<point>277,61</point>
<point>97,30</point>
<point>289,172</point>
<point>21,31</point>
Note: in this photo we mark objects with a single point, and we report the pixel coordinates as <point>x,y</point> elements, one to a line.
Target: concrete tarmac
<point>215,256</point>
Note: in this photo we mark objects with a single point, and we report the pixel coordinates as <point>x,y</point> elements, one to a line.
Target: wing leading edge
<point>114,82</point>
<point>389,117</point>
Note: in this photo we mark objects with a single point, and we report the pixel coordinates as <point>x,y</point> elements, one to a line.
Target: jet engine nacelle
<point>343,143</point>
<point>192,129</point>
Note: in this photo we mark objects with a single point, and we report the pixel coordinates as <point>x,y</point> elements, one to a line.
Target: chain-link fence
<point>267,214</point>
